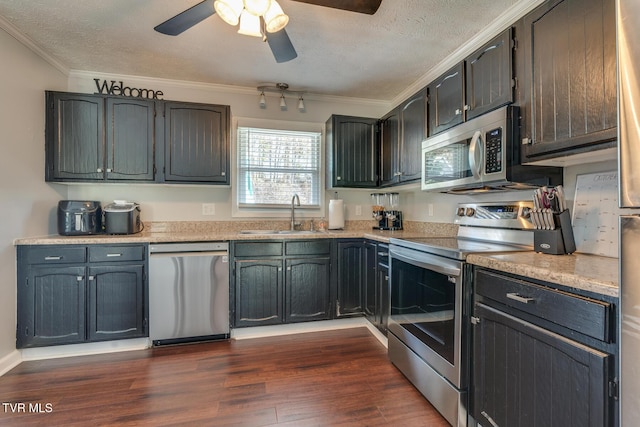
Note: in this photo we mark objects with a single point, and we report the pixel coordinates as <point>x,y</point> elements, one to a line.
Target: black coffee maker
<point>385,211</point>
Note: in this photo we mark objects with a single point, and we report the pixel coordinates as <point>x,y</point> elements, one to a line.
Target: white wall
<point>26,199</point>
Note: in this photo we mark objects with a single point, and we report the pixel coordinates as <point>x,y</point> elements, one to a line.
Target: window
<point>273,165</point>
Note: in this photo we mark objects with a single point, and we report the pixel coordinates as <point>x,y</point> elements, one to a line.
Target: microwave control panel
<point>493,152</point>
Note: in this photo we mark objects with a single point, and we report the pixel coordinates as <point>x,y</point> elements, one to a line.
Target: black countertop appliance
<point>79,217</point>
<point>122,217</point>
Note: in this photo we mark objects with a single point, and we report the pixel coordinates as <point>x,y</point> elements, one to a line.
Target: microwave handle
<point>475,154</point>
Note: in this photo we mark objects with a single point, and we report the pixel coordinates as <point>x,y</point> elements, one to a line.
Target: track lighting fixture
<point>282,89</point>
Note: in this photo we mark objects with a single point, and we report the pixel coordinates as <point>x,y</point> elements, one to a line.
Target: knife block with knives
<point>553,233</point>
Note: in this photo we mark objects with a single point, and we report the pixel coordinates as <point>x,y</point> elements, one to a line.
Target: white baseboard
<point>10,361</point>
<point>58,351</point>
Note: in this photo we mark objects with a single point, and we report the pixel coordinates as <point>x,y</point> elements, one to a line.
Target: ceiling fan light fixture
<point>249,24</point>
<point>229,10</point>
<point>275,18</point>
<point>257,7</point>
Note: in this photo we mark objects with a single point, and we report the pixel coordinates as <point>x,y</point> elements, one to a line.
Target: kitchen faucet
<point>295,199</point>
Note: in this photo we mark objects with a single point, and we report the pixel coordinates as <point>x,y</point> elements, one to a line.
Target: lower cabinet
<point>353,277</point>
<point>281,282</point>
<point>541,356</point>
<point>71,294</point>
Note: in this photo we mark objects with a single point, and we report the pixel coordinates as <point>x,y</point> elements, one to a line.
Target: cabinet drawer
<point>310,247</point>
<point>581,314</point>
<point>56,254</point>
<point>257,249</point>
<point>116,253</point>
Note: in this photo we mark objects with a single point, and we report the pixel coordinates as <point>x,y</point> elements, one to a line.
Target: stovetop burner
<point>484,228</point>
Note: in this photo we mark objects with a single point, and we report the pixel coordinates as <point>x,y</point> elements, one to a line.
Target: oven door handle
<point>427,261</point>
<point>475,154</point>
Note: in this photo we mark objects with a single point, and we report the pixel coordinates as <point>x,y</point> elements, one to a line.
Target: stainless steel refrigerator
<point>628,50</point>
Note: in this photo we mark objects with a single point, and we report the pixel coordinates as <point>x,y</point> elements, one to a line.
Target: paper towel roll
<point>336,214</point>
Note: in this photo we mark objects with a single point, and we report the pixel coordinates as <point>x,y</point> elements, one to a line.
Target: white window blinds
<point>273,165</point>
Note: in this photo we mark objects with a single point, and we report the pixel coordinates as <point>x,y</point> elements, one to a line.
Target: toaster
<point>78,217</point>
<point>122,217</point>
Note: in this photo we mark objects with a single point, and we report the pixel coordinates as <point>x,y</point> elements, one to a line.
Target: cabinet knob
<point>288,268</point>
<point>467,107</point>
<point>92,277</point>
<point>338,178</point>
<point>79,278</point>
<point>458,111</point>
<point>397,174</point>
<point>99,170</point>
<point>109,170</point>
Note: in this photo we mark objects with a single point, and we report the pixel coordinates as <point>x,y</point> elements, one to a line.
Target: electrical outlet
<point>430,209</point>
<point>208,209</point>
<point>358,210</point>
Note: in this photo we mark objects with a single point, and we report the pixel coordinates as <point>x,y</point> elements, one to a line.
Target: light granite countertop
<point>581,271</point>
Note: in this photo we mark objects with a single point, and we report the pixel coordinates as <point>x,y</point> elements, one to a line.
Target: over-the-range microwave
<point>482,155</point>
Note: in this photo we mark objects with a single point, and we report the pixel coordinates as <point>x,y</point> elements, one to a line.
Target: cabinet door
<point>51,306</point>
<point>371,297</point>
<point>526,376</point>
<point>116,302</point>
<point>354,155</point>
<point>489,76</point>
<point>413,122</point>
<point>259,292</point>
<point>389,144</point>
<point>75,137</point>
<point>351,262</point>
<point>196,143</point>
<point>446,100</point>
<point>130,139</point>
<point>383,287</point>
<point>569,96</point>
<point>307,289</point>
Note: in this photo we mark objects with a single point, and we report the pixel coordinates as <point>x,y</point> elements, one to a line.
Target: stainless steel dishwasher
<point>188,292</point>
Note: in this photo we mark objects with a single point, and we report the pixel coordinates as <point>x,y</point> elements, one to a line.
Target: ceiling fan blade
<point>361,6</point>
<point>187,19</point>
<point>281,46</point>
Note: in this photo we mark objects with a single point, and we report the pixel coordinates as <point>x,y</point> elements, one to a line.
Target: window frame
<point>276,211</point>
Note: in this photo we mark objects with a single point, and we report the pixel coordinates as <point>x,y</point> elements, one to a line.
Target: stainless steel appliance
<point>430,299</point>
<point>481,155</point>
<point>628,27</point>
<point>79,217</point>
<point>188,292</point>
<point>122,217</point>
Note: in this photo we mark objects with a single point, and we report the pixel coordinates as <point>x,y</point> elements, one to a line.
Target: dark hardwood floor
<point>333,378</point>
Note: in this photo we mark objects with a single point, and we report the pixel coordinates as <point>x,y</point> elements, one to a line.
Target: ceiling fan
<point>278,41</point>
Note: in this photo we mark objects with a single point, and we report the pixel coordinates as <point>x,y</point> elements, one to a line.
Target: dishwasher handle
<point>187,254</point>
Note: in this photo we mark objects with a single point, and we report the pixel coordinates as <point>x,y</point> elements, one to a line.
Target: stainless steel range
<point>430,299</point>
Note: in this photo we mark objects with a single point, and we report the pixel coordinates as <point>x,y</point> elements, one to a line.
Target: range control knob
<point>470,212</point>
<point>460,212</point>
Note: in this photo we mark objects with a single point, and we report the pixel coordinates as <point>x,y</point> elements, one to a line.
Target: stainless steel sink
<point>260,232</point>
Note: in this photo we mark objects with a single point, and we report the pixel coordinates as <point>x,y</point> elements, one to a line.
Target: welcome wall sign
<point>113,88</point>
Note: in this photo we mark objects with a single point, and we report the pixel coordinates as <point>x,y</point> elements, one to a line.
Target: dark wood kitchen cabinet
<point>352,152</point>
<point>480,83</point>
<point>281,282</point>
<point>97,138</point>
<point>74,294</point>
<point>401,134</point>
<point>541,356</point>
<point>355,275</point>
<point>196,143</point>
<point>566,63</point>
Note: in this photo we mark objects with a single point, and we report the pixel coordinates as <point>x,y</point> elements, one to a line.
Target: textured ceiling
<point>339,53</point>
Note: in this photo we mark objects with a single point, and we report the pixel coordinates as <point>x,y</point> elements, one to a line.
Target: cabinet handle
<point>288,268</point>
<point>458,111</point>
<point>397,174</point>
<point>113,255</point>
<point>91,278</point>
<point>467,107</point>
<point>99,170</point>
<point>383,253</point>
<point>79,278</point>
<point>52,258</point>
<point>109,170</point>
<point>525,300</point>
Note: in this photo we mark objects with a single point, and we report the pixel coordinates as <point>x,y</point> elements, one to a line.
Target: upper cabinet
<point>352,155</point>
<point>566,63</point>
<point>111,139</point>
<point>480,83</point>
<point>413,129</point>
<point>196,143</point>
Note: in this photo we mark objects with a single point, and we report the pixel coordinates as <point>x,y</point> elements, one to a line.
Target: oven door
<point>426,308</point>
